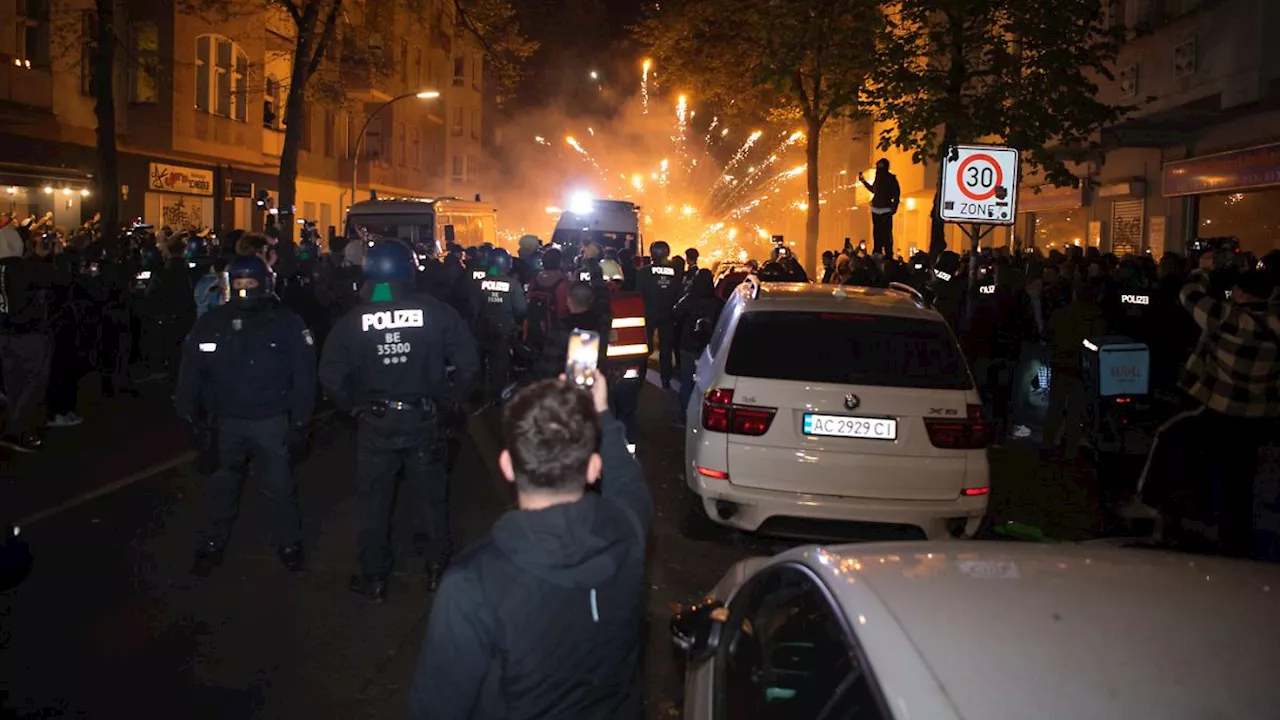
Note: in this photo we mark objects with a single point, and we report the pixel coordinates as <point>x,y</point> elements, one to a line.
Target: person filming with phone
<point>542,618</point>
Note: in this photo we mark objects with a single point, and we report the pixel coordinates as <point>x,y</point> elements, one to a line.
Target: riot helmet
<point>246,282</point>
<point>389,267</point>
<point>500,261</point>
<point>659,251</point>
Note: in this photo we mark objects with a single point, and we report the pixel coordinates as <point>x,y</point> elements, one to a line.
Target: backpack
<point>540,314</point>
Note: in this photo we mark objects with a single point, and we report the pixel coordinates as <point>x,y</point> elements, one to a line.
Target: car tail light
<point>714,474</point>
<point>974,492</point>
<point>719,414</point>
<point>968,434</point>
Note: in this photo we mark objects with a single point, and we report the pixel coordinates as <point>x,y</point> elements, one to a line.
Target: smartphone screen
<point>584,354</point>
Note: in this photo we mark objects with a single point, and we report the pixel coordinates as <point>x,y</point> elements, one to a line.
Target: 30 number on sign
<point>979,177</point>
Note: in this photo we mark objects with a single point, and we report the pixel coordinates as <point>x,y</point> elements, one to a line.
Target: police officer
<point>502,312</point>
<point>659,285</point>
<point>249,367</point>
<point>385,362</point>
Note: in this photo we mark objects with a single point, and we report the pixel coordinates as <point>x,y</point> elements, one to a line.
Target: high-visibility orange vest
<point>628,346</point>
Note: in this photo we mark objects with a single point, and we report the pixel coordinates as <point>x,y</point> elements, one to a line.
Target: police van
<point>427,224</point>
<point>608,223</point>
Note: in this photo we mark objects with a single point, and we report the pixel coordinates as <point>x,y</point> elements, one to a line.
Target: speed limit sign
<point>980,185</point>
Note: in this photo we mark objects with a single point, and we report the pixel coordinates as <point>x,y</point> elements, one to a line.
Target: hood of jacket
<point>580,544</point>
<point>11,245</point>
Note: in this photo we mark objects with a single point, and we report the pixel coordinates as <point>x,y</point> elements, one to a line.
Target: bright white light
<point>428,95</point>
<point>595,75</point>
<point>581,203</point>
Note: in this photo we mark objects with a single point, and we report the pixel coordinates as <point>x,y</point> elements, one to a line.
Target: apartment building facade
<point>1201,158</point>
<point>201,120</point>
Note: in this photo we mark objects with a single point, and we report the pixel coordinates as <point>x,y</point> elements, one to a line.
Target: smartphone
<point>584,355</point>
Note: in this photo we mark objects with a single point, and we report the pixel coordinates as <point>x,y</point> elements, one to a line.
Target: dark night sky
<point>577,36</point>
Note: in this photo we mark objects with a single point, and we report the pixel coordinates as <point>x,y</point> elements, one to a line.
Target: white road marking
<point>124,482</point>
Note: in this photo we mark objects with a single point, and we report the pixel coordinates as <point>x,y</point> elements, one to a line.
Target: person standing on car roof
<point>248,372</point>
<point>504,308</point>
<point>659,285</point>
<point>385,362</point>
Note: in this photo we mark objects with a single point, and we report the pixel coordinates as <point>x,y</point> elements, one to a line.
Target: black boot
<point>372,587</point>
<point>208,557</point>
<point>292,557</point>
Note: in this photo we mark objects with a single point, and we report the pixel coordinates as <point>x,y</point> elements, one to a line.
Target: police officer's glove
<point>299,442</point>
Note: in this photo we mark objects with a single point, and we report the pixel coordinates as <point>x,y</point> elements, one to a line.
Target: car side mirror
<point>696,627</point>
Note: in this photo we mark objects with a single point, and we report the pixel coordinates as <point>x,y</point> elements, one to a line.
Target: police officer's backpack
<point>540,313</point>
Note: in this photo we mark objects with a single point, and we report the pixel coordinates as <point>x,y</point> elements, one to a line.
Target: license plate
<point>850,427</point>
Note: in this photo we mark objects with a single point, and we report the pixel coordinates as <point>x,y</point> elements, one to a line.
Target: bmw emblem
<point>851,401</point>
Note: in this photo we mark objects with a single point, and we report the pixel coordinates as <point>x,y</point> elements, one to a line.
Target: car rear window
<point>847,348</point>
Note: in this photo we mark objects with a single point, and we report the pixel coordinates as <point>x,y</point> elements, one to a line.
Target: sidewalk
<point>111,624</point>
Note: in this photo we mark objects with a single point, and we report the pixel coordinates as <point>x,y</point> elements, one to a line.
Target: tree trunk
<point>938,228</point>
<point>815,198</point>
<point>102,77</point>
<point>295,106</point>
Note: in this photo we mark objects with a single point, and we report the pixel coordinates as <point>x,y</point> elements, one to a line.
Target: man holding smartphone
<point>545,613</point>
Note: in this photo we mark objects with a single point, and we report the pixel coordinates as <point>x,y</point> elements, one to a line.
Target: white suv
<point>828,402</point>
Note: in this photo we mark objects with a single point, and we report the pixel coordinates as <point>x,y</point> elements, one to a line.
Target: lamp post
<point>355,156</point>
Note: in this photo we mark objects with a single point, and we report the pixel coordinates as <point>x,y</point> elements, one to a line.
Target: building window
<point>417,149</point>
<point>1129,81</point>
<point>475,123</point>
<point>475,72</point>
<point>403,148</point>
<point>221,69</point>
<point>404,61</point>
<point>417,68</point>
<point>144,70</point>
<point>330,133</point>
<point>459,169</point>
<point>33,32</point>
<point>459,122</point>
<point>473,169</point>
<point>88,46</point>
<point>271,104</point>
<point>459,71</point>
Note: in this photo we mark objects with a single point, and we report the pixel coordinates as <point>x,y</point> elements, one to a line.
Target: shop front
<point>1055,217</point>
<point>179,197</point>
<point>1234,193</point>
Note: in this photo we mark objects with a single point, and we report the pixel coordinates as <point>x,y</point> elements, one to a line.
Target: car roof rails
<point>914,293</point>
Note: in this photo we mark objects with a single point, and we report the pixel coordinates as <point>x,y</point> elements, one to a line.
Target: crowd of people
<point>252,331</point>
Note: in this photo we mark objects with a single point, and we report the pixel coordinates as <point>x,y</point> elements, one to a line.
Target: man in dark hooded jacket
<point>542,619</point>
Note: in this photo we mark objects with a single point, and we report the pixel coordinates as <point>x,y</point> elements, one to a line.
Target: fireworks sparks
<point>712,195</point>
<point>644,85</point>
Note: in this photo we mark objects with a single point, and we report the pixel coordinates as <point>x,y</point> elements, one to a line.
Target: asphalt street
<point>110,624</point>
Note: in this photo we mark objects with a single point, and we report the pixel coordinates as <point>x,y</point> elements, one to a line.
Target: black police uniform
<point>250,371</point>
<point>659,285</point>
<point>386,362</point>
<point>503,311</point>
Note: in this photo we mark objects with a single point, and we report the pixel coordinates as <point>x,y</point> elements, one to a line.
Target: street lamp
<point>355,156</point>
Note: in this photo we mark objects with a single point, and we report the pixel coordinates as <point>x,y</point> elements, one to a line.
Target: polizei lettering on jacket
<point>391,320</point>
<point>663,270</point>
<point>496,286</point>
<point>1135,299</point>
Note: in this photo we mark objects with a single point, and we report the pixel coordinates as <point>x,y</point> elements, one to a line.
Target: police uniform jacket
<point>249,365</point>
<point>398,351</point>
<point>503,302</point>
<point>660,287</point>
